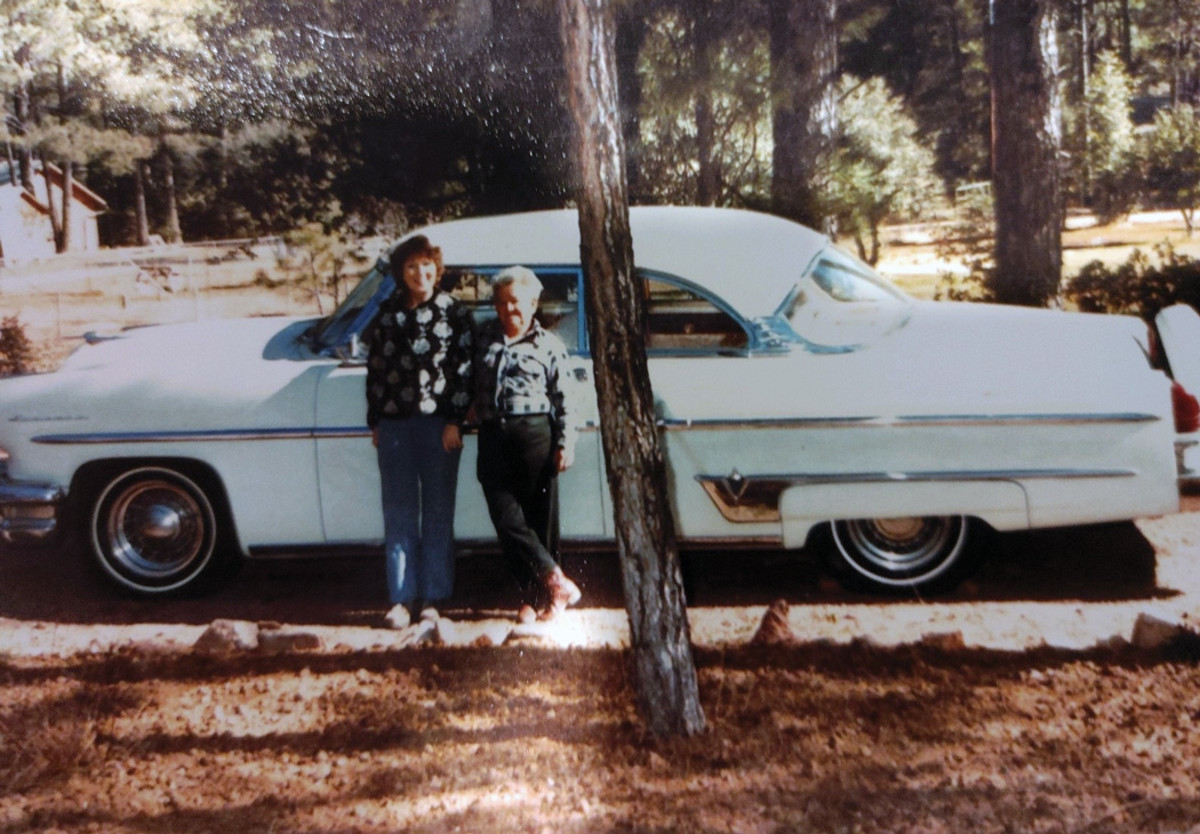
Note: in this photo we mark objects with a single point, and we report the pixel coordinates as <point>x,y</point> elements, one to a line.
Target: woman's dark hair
<point>414,246</point>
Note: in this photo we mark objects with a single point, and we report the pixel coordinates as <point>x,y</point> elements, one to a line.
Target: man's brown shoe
<point>560,593</point>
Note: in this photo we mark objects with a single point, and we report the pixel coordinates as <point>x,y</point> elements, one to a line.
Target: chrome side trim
<point>668,424</point>
<point>199,436</point>
<point>745,499</point>
<point>677,424</point>
<point>219,435</point>
<point>1028,419</point>
<point>940,420</point>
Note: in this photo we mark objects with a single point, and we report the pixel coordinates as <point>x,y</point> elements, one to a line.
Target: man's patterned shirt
<point>527,376</point>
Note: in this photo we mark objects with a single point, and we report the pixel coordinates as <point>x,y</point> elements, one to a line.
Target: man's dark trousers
<point>517,471</point>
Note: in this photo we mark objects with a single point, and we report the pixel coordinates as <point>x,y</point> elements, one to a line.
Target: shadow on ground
<point>59,584</point>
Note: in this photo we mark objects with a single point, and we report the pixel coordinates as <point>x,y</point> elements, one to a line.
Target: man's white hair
<point>518,277</point>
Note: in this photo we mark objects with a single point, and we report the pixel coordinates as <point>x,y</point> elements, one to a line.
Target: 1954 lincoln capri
<point>798,394</point>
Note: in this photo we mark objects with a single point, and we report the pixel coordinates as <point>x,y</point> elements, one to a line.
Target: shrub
<point>16,351</point>
<point>968,241</point>
<point>1140,286</point>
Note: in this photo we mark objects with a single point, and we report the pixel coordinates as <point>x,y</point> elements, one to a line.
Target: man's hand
<point>451,438</point>
<point>563,459</point>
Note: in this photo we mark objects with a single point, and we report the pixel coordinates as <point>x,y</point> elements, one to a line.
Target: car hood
<point>166,348</point>
<point>179,375</point>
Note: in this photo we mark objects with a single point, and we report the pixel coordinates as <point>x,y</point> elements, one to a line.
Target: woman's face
<point>516,307</point>
<point>420,277</point>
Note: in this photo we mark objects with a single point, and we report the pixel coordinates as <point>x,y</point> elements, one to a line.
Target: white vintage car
<point>797,393</point>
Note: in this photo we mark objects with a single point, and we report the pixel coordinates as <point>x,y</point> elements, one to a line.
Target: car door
<point>346,462</point>
<point>708,375</point>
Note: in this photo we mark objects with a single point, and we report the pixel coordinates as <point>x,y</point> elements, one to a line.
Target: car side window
<point>558,311</point>
<point>681,320</point>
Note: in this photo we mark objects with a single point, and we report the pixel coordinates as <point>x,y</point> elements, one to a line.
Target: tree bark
<point>24,112</point>
<point>51,206</point>
<point>631,34</point>
<point>1027,138</point>
<point>803,86</point>
<point>68,189</point>
<point>1126,36</point>
<point>704,45</point>
<point>665,674</point>
<point>140,174</point>
<point>172,229</point>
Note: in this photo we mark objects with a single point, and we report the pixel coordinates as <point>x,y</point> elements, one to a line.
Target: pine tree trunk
<point>1027,138</point>
<point>173,233</point>
<point>68,189</point>
<point>52,207</point>
<point>141,170</point>
<point>803,86</point>
<point>704,39</point>
<point>665,674</point>
<point>631,33</point>
<point>24,112</point>
<point>1126,36</point>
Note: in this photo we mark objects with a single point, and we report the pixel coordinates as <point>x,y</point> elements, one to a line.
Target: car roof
<point>749,259</point>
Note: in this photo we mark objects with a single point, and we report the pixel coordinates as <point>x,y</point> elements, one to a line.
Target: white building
<point>25,230</point>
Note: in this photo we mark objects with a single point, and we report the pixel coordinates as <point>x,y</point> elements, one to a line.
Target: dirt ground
<point>1015,705</point>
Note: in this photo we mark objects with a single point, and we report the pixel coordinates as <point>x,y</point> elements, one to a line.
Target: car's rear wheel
<point>155,530</point>
<point>917,553</point>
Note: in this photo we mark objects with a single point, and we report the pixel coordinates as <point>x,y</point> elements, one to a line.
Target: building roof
<point>79,191</point>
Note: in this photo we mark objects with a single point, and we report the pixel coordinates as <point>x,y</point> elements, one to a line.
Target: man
<point>526,436</point>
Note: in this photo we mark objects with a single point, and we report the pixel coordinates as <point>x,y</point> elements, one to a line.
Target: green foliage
<point>16,351</point>
<point>932,56</point>
<point>735,82</point>
<point>968,242</point>
<point>881,168</point>
<point>262,179</point>
<point>372,117</point>
<point>1173,158</point>
<point>325,258</point>
<point>1140,286</point>
<point>1105,160</point>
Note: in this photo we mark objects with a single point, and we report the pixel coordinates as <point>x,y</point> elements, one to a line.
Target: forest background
<point>329,123</point>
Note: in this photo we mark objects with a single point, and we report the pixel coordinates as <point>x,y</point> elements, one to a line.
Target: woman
<point>419,384</point>
<point>526,436</point>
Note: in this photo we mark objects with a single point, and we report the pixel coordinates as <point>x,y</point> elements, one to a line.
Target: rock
<point>774,629</point>
<point>277,640</point>
<point>1150,633</point>
<point>227,636</point>
<point>947,641</point>
<point>477,633</point>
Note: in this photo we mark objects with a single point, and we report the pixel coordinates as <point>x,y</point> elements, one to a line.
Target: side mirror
<point>352,355</point>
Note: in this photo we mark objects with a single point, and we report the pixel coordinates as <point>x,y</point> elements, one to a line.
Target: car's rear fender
<point>1001,503</point>
<point>1178,329</point>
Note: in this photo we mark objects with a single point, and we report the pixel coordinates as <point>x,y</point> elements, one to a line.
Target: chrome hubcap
<point>901,551</point>
<point>155,528</point>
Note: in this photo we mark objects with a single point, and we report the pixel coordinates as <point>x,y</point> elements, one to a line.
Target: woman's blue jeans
<point>418,480</point>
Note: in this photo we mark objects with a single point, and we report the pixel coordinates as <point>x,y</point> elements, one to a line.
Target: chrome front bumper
<point>28,511</point>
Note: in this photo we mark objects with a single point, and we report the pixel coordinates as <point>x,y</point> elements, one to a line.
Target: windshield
<point>352,314</point>
<point>841,303</point>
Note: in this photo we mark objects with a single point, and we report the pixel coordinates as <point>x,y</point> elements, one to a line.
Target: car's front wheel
<point>154,530</point>
<point>918,553</point>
